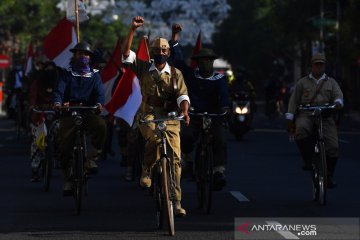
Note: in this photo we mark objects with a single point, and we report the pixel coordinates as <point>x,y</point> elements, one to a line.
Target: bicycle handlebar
<point>179,118</point>
<point>79,108</point>
<point>208,114</point>
<point>44,111</point>
<point>316,107</point>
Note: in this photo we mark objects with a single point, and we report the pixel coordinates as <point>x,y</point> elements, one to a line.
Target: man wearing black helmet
<point>208,93</point>
<point>80,84</point>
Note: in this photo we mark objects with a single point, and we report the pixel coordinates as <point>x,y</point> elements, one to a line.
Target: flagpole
<point>147,39</point>
<point>77,21</point>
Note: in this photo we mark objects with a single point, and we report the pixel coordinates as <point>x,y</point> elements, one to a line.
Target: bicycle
<point>163,176</point>
<point>204,163</point>
<point>319,172</point>
<point>78,176</point>
<point>47,163</point>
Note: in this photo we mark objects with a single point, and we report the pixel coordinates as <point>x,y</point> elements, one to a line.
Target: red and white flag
<point>127,97</point>
<point>111,72</point>
<point>196,49</point>
<point>59,41</point>
<point>29,59</point>
<point>70,11</point>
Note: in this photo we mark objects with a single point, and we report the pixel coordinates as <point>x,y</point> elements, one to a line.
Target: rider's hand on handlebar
<point>57,106</point>
<point>337,106</point>
<point>99,108</point>
<point>187,118</point>
<point>31,107</point>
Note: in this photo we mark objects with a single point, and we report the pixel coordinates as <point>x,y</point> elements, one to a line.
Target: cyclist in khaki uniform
<point>306,92</point>
<point>160,95</point>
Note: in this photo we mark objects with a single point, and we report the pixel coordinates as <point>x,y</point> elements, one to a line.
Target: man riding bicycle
<point>208,93</point>
<point>80,85</point>
<point>163,90</point>
<point>315,89</point>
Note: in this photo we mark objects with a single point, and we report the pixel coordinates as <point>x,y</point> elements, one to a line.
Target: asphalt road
<point>264,180</point>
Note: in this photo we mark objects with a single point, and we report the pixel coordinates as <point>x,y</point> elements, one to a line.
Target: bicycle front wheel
<point>159,202</point>
<point>78,177</point>
<point>168,204</point>
<point>322,175</point>
<point>48,167</point>
<point>208,180</point>
<point>199,166</point>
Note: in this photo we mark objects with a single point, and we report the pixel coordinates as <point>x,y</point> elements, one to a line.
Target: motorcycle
<point>241,118</point>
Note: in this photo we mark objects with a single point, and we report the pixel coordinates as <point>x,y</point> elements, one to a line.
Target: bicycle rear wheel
<point>169,211</point>
<point>208,180</point>
<point>315,182</point>
<point>322,175</point>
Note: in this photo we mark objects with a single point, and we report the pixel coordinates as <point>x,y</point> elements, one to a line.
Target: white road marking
<point>285,234</point>
<point>239,196</point>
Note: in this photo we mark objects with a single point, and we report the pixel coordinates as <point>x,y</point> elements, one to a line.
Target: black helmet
<point>205,53</point>
<point>82,46</point>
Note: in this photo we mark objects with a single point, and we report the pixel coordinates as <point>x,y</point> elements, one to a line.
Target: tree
<point>193,15</point>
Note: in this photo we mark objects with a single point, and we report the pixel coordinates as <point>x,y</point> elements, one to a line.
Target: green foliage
<point>259,32</point>
<point>27,20</point>
<point>102,35</point>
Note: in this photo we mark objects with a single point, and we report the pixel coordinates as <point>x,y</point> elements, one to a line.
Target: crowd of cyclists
<point>167,84</point>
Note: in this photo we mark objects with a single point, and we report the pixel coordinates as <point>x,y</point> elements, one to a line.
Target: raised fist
<point>137,21</point>
<point>176,28</point>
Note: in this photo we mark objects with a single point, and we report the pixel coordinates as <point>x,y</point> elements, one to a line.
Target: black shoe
<point>91,167</point>
<point>219,181</point>
<point>67,190</point>
<point>331,183</point>
<point>35,176</point>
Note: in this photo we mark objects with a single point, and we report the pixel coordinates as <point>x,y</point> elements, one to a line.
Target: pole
<point>337,62</point>
<point>321,25</point>
<point>77,21</point>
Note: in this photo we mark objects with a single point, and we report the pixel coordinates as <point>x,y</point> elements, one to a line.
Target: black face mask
<point>206,67</point>
<point>160,59</point>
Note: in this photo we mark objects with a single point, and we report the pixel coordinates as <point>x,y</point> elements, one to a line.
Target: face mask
<point>205,67</point>
<point>160,59</point>
<point>82,65</point>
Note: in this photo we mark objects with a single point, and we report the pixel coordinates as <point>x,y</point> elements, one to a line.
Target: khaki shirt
<point>305,89</point>
<point>158,93</point>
